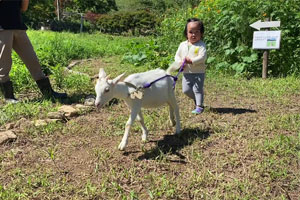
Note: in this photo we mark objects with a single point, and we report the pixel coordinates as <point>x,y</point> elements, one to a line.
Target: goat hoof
<point>121,147</point>
<point>144,140</point>
<point>173,123</point>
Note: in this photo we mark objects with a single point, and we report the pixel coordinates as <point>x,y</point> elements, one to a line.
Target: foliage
<point>149,54</point>
<point>11,112</point>
<point>39,13</point>
<point>138,22</point>
<point>163,5</point>
<point>43,13</point>
<point>129,5</point>
<point>56,50</point>
<point>99,6</point>
<point>229,37</point>
<point>72,24</point>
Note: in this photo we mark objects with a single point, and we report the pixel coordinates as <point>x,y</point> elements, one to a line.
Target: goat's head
<point>105,88</point>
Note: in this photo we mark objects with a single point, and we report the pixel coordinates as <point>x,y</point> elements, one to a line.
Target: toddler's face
<point>193,32</point>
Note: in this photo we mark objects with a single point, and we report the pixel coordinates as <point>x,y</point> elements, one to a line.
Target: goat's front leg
<point>144,129</point>
<point>134,111</point>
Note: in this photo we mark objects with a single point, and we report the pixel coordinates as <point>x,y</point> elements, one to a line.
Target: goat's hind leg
<point>174,109</point>
<point>171,115</point>
<point>144,129</point>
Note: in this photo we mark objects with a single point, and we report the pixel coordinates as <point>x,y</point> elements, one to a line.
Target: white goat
<point>159,93</point>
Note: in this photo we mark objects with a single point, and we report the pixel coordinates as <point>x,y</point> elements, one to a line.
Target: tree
<point>95,6</point>
<point>39,12</point>
<point>162,5</point>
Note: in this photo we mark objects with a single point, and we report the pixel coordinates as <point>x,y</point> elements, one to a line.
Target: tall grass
<point>56,50</point>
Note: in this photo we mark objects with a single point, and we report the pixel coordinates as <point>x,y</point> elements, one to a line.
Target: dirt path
<point>230,151</point>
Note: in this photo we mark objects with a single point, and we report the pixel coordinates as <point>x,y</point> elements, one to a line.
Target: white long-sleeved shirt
<point>196,52</point>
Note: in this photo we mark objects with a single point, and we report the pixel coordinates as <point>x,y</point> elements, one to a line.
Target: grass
<point>244,146</point>
<point>128,5</point>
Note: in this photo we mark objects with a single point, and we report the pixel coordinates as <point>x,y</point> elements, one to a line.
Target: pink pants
<point>18,41</point>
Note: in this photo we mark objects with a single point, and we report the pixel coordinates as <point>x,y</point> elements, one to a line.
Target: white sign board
<point>266,39</point>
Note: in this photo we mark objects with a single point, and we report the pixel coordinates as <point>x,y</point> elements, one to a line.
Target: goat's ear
<point>118,78</point>
<point>102,73</point>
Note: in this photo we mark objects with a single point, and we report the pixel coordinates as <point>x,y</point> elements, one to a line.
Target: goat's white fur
<point>161,92</point>
<point>173,67</point>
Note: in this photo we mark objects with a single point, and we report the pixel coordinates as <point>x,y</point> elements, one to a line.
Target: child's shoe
<point>198,110</point>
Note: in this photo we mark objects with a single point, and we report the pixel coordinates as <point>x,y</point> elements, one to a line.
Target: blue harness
<point>175,78</point>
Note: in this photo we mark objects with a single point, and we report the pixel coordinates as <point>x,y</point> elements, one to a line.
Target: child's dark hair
<point>201,26</point>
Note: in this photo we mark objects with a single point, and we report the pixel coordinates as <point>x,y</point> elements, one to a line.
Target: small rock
<point>44,122</point>
<point>89,100</point>
<point>69,111</point>
<point>9,126</point>
<point>81,107</point>
<point>40,122</point>
<point>56,115</point>
<point>53,120</point>
<point>7,136</point>
<point>23,123</point>
<point>20,121</point>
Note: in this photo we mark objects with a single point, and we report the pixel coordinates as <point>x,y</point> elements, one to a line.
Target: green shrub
<point>137,22</point>
<point>229,37</point>
<point>72,24</point>
<point>39,13</point>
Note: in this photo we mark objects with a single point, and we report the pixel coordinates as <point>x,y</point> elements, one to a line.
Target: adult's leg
<point>6,40</point>
<point>6,86</point>
<point>24,48</point>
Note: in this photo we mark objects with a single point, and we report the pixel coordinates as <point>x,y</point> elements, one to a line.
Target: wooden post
<point>265,59</point>
<point>58,10</point>
<point>265,64</point>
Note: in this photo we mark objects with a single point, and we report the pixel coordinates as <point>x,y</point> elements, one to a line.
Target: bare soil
<point>221,146</point>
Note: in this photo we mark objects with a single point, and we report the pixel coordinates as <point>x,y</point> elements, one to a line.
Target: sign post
<point>266,40</point>
<point>265,64</point>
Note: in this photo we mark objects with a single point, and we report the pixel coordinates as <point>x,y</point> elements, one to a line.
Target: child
<point>193,52</point>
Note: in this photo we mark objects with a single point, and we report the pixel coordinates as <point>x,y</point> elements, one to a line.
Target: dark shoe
<point>8,92</point>
<point>47,91</point>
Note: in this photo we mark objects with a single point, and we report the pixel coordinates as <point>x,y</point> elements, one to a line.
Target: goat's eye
<point>106,89</point>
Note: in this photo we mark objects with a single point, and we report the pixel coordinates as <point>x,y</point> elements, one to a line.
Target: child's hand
<point>188,60</point>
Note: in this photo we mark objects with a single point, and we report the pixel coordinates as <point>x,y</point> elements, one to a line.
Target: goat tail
<point>173,67</point>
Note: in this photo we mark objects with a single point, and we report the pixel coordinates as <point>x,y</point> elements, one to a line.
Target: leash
<point>175,78</point>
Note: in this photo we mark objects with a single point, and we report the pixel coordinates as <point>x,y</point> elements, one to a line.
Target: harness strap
<point>175,78</point>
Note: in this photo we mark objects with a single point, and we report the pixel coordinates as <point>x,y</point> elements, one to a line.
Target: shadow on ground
<point>235,111</point>
<point>78,98</point>
<point>172,144</point>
